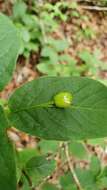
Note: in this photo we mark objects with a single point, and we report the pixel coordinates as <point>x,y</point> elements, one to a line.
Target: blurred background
<point>61,38</point>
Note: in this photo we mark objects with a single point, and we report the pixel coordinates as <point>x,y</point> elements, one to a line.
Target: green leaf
<point>39,167</point>
<point>9,47</point>
<point>49,186</point>
<point>59,45</point>
<point>48,147</point>
<point>74,5</point>
<point>25,155</point>
<point>7,162</point>
<point>102,183</point>
<point>95,165</point>
<point>75,14</point>
<point>66,179</point>
<point>22,157</point>
<point>86,178</point>
<point>25,34</point>
<point>86,118</point>
<point>24,183</point>
<point>68,59</point>
<point>77,149</point>
<point>67,182</point>
<point>98,141</point>
<point>104,172</point>
<point>47,68</point>
<point>51,54</point>
<point>87,57</point>
<point>91,60</point>
<point>19,10</point>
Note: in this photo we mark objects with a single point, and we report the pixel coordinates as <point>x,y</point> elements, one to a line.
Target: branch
<point>72,168</point>
<point>84,1</point>
<point>96,8</point>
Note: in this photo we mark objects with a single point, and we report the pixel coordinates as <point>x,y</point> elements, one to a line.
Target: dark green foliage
<point>86,118</point>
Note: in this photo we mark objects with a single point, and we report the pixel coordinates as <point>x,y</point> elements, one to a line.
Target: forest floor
<point>93,39</point>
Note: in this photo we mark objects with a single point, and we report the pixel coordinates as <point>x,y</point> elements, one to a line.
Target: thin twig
<point>96,8</point>
<point>72,168</point>
<point>83,1</point>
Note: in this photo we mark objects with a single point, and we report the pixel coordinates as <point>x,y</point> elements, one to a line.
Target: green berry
<point>63,99</point>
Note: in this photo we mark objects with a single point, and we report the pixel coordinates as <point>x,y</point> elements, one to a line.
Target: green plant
<point>33,25</point>
<point>53,61</point>
<point>92,62</point>
<point>87,33</point>
<point>28,27</point>
<point>29,110</point>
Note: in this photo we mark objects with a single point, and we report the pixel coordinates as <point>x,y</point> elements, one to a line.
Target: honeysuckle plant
<point>53,108</point>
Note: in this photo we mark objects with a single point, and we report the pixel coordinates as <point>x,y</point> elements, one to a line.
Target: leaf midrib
<point>47,105</point>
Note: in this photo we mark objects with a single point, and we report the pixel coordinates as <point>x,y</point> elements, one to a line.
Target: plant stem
<point>76,180</point>
<point>28,179</point>
<point>42,26</point>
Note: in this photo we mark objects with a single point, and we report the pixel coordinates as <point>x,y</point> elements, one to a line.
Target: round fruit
<point>63,99</point>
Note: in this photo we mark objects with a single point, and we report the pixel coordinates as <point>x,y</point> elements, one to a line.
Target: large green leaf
<point>86,118</point>
<point>9,47</point>
<point>7,162</point>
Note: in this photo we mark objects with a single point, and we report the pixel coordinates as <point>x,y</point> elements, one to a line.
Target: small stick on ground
<point>72,168</point>
<point>94,8</point>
